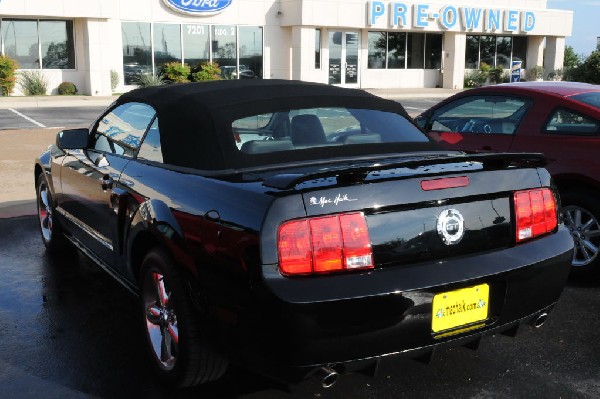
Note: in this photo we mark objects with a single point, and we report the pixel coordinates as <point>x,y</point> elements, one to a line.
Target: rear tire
<point>581,214</point>
<point>50,229</point>
<point>175,343</point>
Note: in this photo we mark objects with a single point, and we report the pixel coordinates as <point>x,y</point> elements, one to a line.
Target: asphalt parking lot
<point>68,330</point>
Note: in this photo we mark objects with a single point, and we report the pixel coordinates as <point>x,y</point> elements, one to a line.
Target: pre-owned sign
<point>449,17</point>
<point>198,7</point>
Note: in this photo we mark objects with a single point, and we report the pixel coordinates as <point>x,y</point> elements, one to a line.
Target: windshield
<point>320,127</point>
<point>592,98</point>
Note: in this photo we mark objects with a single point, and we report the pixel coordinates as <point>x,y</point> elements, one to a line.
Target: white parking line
<point>26,117</point>
<point>417,109</point>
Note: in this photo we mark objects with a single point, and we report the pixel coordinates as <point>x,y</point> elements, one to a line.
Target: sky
<point>586,27</point>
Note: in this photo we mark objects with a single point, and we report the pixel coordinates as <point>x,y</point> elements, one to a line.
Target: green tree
<point>571,60</point>
<point>589,70</point>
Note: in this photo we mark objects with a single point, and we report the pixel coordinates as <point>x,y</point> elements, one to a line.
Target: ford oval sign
<point>198,7</point>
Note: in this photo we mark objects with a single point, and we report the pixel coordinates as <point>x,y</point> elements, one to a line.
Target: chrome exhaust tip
<point>540,320</point>
<point>326,376</point>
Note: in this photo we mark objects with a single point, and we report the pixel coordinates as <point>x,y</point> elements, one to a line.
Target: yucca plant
<point>33,83</point>
<point>147,79</point>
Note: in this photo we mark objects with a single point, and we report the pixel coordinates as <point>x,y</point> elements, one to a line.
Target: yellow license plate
<point>459,308</point>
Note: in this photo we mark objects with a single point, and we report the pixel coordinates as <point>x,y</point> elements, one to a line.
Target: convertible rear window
<point>320,127</point>
<point>592,98</point>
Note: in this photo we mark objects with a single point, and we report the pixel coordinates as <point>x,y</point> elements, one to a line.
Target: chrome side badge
<point>451,226</point>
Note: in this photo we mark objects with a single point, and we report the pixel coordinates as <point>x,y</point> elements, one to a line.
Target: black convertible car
<point>300,229</point>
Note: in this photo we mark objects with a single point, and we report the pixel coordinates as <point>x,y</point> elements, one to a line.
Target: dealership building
<point>352,43</point>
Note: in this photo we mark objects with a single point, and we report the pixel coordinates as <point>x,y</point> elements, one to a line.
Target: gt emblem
<point>451,226</point>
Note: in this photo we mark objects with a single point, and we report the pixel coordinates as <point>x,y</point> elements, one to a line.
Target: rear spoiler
<point>492,161</point>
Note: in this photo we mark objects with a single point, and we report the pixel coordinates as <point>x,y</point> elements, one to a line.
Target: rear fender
<point>153,224</point>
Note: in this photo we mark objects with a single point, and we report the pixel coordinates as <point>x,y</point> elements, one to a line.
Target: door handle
<point>106,182</point>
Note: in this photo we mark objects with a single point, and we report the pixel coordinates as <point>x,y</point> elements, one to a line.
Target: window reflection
<point>317,48</point>
<point>167,44</point>
<point>137,47</point>
<point>495,51</point>
<point>237,50</point>
<point>196,44</point>
<point>251,44</point>
<point>224,48</point>
<point>377,50</point>
<point>121,130</point>
<point>20,40</point>
<point>57,44</point>
<point>151,150</point>
<point>26,41</point>
<point>399,50</point>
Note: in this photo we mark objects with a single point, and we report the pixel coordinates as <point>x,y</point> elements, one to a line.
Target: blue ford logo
<point>198,6</point>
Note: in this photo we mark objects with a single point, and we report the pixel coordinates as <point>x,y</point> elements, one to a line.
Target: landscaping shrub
<point>8,66</point>
<point>207,71</point>
<point>33,83</point>
<point>67,88</point>
<point>147,80</point>
<point>175,72</point>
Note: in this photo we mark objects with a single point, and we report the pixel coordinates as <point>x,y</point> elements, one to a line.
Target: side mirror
<point>72,139</point>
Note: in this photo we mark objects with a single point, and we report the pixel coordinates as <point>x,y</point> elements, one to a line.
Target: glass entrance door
<point>343,58</point>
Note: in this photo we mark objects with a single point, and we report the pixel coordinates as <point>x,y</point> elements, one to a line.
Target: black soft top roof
<point>195,118</point>
<point>233,93</point>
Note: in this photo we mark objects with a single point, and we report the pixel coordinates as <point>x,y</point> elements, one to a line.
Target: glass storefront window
<point>224,49</point>
<point>396,50</point>
<point>519,50</point>
<point>251,54</point>
<point>317,48</point>
<point>167,44</point>
<point>404,50</point>
<point>487,50</point>
<point>26,41</point>
<point>377,50</point>
<point>496,51</point>
<point>503,50</point>
<point>237,50</point>
<point>137,50</point>
<point>415,44</point>
<point>57,44</point>
<point>433,51</point>
<point>21,43</point>
<point>472,52</point>
<point>196,44</point>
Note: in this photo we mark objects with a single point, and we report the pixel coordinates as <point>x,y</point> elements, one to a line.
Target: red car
<point>559,119</point>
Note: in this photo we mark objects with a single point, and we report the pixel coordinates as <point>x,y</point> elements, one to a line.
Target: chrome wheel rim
<point>586,234</point>
<point>45,212</point>
<point>161,320</point>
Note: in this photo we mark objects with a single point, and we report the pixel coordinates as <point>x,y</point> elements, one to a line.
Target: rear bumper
<point>315,322</point>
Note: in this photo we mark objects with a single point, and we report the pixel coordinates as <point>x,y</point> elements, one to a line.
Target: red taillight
<point>535,213</point>
<point>324,245</point>
<point>295,247</point>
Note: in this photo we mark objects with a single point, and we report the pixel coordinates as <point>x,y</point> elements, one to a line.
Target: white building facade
<point>353,43</point>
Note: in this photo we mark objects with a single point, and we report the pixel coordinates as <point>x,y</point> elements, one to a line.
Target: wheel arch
<point>153,225</point>
<point>566,183</point>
